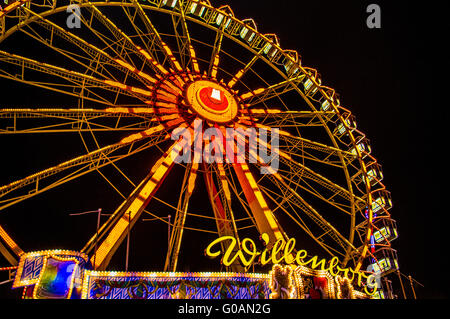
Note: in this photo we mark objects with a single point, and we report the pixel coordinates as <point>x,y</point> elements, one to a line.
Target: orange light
<point>152,61</point>
<point>116,84</point>
<point>126,65</point>
<point>262,111</point>
<point>141,91</point>
<point>215,66</point>
<point>10,242</point>
<point>194,59</point>
<point>235,78</point>
<point>146,76</point>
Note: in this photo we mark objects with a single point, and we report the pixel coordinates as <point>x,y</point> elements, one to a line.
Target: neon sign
<point>284,252</point>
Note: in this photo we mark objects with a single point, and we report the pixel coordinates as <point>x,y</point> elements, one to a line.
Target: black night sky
<point>384,76</point>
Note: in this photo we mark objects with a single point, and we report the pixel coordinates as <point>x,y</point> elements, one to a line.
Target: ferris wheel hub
<point>211,101</point>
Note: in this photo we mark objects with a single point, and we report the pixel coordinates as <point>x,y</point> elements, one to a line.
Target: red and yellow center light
<point>211,101</point>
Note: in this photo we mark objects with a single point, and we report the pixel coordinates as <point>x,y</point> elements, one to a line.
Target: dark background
<point>386,78</point>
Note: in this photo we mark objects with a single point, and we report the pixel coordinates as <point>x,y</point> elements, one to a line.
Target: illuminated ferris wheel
<point>154,73</point>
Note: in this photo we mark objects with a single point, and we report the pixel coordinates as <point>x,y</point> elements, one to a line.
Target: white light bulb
<point>216,94</point>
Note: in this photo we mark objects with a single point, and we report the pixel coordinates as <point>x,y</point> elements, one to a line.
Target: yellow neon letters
<point>283,252</point>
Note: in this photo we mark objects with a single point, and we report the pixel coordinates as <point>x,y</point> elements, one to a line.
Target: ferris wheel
<point>173,78</point>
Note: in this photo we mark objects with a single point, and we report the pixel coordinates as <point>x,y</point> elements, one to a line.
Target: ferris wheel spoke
<point>87,63</point>
<point>236,78</point>
<point>187,188</point>
<point>304,172</point>
<point>263,94</point>
<point>94,60</point>
<point>284,183</point>
<point>36,183</point>
<point>297,180</point>
<point>308,149</point>
<point>300,203</point>
<point>67,89</point>
<point>76,83</point>
<point>291,196</point>
<point>215,56</point>
<point>317,152</point>
<point>186,50</point>
<point>29,121</point>
<point>301,142</point>
<point>104,229</point>
<point>291,210</point>
<point>154,39</point>
<point>298,173</point>
<point>287,119</point>
<point>264,218</point>
<point>122,45</point>
<point>220,198</point>
<point>296,147</point>
<point>298,176</point>
<point>146,39</point>
<point>128,213</point>
<point>319,191</point>
<point>233,186</point>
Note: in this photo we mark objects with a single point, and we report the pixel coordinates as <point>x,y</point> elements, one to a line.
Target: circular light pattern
<point>211,101</point>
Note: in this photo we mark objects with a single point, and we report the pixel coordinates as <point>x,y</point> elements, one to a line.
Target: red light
<point>214,99</point>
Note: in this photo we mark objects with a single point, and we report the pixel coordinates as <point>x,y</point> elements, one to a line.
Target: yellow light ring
<point>201,101</point>
<point>197,104</point>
